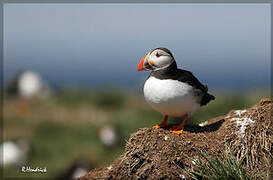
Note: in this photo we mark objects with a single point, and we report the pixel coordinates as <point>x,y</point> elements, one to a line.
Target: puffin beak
<point>140,66</point>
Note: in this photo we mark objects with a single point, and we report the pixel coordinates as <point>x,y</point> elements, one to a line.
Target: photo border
<point>3,2</point>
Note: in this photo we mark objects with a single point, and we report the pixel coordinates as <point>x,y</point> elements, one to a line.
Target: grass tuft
<point>219,168</point>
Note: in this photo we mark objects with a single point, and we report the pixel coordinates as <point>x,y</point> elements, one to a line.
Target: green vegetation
<point>223,168</point>
<point>63,128</point>
<point>216,168</point>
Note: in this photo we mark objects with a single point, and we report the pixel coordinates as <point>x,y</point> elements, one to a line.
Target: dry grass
<point>157,153</point>
<point>256,146</point>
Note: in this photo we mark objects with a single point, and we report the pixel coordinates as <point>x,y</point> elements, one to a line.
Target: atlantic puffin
<point>25,86</point>
<point>28,84</point>
<point>14,153</point>
<point>79,167</point>
<point>171,91</point>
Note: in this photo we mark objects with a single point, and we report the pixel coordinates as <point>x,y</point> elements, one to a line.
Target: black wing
<point>189,78</point>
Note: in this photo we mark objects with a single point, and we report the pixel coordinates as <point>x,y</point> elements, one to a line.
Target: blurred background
<point>72,92</point>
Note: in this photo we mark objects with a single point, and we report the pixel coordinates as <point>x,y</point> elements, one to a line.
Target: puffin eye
<point>157,55</point>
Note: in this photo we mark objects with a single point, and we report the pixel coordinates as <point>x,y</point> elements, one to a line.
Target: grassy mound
<point>158,154</point>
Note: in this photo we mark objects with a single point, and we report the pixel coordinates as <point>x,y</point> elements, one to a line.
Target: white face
<point>159,59</point>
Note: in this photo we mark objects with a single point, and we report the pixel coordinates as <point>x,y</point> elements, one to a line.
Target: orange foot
<point>164,123</point>
<point>158,126</point>
<point>179,129</point>
<point>176,131</point>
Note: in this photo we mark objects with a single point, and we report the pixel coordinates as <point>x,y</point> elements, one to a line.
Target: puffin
<point>25,86</point>
<point>79,167</point>
<point>28,84</point>
<point>14,153</point>
<point>171,91</point>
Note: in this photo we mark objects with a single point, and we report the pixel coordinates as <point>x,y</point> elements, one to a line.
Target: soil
<point>159,154</point>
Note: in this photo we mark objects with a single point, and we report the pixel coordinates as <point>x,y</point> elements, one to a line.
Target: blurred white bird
<point>77,169</point>
<point>25,86</point>
<point>109,136</point>
<point>14,153</point>
<point>28,84</point>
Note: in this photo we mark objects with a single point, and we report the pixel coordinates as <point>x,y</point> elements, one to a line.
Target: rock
<point>159,154</point>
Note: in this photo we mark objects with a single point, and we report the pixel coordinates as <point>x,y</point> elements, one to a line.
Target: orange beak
<point>140,65</point>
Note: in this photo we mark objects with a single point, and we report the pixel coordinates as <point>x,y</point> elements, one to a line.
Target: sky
<point>224,45</point>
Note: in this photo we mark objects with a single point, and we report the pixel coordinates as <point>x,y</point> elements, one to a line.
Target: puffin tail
<point>206,99</point>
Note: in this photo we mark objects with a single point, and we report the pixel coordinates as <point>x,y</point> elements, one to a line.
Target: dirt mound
<point>158,154</point>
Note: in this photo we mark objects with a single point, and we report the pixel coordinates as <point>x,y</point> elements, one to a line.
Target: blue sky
<point>224,45</point>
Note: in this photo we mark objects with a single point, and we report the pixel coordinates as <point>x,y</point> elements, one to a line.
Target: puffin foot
<point>158,126</point>
<point>179,129</point>
<point>163,124</point>
<point>176,130</point>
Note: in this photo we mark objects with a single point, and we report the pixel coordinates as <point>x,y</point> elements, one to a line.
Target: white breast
<point>171,97</point>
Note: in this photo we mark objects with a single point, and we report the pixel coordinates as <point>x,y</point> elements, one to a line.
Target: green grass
<point>110,98</point>
<point>217,168</point>
<point>223,168</point>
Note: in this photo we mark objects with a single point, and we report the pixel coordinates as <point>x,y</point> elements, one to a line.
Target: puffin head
<point>159,58</point>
